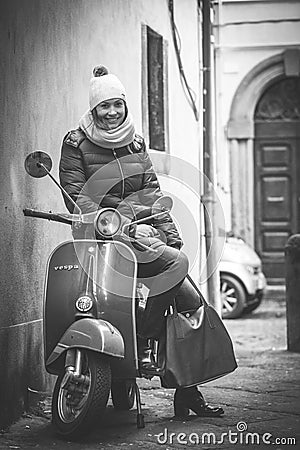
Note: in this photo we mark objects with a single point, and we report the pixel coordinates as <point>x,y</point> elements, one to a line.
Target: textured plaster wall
<point>47,51</point>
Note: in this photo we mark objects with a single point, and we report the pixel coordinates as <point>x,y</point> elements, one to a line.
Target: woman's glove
<point>145,231</point>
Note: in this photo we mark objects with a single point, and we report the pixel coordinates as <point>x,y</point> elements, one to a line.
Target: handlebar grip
<point>46,215</point>
<point>35,213</point>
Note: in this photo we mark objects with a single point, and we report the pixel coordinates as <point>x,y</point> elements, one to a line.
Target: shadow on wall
<point>22,368</point>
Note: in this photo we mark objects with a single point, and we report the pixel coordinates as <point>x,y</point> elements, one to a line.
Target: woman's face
<point>111,113</point>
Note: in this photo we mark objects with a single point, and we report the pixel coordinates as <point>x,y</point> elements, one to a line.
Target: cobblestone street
<point>260,398</point>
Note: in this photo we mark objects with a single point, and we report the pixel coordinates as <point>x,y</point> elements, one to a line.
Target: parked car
<point>242,281</point>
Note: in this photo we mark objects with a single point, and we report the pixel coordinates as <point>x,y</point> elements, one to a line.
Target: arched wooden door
<point>277,173</point>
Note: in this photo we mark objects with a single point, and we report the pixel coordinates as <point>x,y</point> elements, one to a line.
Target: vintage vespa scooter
<point>90,302</point>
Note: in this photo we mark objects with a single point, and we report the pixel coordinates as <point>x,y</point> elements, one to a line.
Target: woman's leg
<point>162,272</point>
<point>163,275</point>
<point>186,399</point>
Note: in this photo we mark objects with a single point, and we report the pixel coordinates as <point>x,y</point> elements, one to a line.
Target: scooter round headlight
<point>108,222</point>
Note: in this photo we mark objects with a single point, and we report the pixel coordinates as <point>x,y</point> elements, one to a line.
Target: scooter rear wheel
<point>77,404</point>
<point>123,394</point>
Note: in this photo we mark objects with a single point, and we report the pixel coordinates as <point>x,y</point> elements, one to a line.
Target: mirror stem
<point>60,187</point>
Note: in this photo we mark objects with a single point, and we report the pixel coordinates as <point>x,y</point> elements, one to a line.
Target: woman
<point>105,163</point>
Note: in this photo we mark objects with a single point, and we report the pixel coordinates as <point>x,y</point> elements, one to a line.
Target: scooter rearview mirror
<point>38,164</point>
<point>164,203</point>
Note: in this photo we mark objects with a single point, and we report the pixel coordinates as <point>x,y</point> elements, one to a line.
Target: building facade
<point>257,68</point>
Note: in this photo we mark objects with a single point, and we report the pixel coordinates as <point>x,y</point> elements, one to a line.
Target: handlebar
<point>71,218</point>
<point>64,218</point>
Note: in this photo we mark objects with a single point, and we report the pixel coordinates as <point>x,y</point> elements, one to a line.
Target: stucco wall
<point>48,49</point>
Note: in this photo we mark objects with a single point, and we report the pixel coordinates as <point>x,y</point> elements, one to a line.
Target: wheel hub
<point>73,395</point>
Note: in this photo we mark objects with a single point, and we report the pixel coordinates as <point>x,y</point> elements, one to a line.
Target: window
<point>154,89</point>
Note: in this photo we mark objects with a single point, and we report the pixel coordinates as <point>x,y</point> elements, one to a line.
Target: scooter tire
<point>72,423</point>
<point>123,394</point>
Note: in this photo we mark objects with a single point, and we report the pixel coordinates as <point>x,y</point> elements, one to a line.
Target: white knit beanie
<point>104,86</point>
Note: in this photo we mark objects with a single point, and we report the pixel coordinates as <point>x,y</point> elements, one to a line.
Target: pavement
<point>261,401</point>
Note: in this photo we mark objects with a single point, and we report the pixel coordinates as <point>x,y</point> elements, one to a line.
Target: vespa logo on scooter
<point>84,303</point>
<point>66,267</point>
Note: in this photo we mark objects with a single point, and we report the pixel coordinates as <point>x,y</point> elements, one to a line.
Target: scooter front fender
<point>93,334</point>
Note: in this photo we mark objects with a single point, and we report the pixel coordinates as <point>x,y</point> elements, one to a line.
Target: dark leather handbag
<point>195,349</point>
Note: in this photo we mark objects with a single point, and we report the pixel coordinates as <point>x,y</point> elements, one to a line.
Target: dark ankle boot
<point>146,358</point>
<point>190,398</point>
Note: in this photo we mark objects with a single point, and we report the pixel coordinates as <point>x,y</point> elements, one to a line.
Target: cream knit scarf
<point>118,137</point>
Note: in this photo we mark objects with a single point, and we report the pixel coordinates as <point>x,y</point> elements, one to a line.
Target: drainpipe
<point>209,158</point>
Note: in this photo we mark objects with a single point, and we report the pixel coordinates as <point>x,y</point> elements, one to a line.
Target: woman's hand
<point>144,230</point>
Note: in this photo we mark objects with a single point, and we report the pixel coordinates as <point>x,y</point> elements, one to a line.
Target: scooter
<point>90,300</point>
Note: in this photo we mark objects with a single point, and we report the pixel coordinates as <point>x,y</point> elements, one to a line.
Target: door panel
<point>276,196</point>
<point>276,205</point>
<point>276,156</point>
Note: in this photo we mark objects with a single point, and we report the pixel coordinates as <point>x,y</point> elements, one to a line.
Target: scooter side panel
<point>116,290</point>
<point>63,285</point>
<point>113,286</point>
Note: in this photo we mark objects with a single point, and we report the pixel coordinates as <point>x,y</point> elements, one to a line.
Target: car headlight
<point>108,222</point>
<point>254,270</point>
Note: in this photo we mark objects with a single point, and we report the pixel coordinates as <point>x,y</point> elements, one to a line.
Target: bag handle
<point>197,289</point>
<point>173,308</point>
<point>205,303</point>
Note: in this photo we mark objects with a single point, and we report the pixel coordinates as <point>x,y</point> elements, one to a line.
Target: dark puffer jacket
<point>121,178</point>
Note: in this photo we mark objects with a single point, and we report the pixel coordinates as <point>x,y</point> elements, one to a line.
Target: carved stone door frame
<point>241,134</point>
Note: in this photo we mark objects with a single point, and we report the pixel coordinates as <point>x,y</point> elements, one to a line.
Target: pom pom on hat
<point>104,86</point>
<point>99,71</point>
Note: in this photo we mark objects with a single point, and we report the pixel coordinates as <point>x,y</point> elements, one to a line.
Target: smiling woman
<point>108,122</point>
<point>105,166</point>
<point>111,113</point>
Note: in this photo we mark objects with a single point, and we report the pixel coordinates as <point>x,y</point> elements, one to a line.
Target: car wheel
<point>248,309</point>
<point>233,296</point>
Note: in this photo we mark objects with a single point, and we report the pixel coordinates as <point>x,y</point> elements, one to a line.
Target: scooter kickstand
<point>140,423</point>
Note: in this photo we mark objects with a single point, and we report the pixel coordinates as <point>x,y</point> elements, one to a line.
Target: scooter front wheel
<point>79,400</point>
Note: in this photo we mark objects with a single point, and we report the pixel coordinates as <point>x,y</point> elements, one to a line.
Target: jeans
<point>164,273</point>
